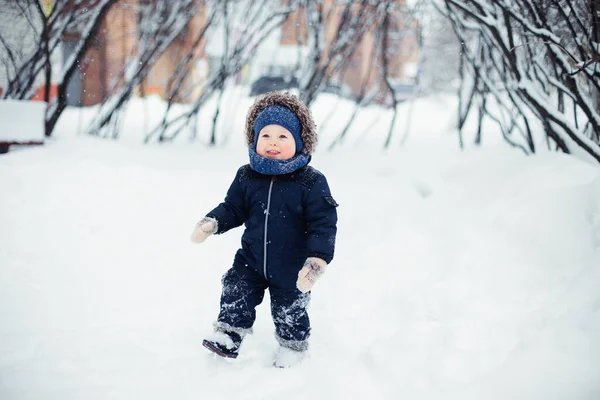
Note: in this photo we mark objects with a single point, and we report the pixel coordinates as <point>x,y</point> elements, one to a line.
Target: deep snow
<point>458,275</point>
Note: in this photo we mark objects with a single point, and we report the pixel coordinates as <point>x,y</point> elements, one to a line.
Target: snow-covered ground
<point>458,275</point>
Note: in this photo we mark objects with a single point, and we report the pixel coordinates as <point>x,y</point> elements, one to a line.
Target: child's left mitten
<point>206,227</point>
<point>312,270</point>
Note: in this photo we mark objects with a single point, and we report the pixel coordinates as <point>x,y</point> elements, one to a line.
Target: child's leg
<point>243,290</point>
<point>288,308</point>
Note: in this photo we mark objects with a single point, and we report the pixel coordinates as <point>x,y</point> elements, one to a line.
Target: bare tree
<point>221,85</point>
<point>23,71</point>
<point>160,22</point>
<point>92,13</point>
<point>365,96</point>
<point>533,59</point>
<point>176,83</point>
<point>259,20</point>
<point>397,23</point>
<point>387,24</point>
<point>383,33</point>
<point>25,61</point>
<point>351,20</point>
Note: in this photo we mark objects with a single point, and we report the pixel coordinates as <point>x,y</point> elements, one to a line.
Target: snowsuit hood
<point>286,99</point>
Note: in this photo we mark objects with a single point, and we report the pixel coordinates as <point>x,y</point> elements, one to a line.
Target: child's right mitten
<point>206,227</point>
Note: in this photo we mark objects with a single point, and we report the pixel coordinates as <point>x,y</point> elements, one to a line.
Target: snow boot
<point>224,343</point>
<point>286,357</point>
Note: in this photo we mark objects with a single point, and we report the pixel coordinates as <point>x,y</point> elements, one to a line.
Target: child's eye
<point>282,137</point>
<point>265,135</point>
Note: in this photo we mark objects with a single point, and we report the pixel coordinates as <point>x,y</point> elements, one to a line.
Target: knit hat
<point>279,115</point>
<point>309,130</point>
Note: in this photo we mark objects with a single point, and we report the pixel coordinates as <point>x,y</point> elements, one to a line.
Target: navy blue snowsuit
<point>288,218</point>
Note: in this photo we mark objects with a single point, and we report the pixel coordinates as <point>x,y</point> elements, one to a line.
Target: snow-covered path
<point>467,276</point>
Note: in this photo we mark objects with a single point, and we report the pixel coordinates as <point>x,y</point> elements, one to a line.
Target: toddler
<point>290,226</point>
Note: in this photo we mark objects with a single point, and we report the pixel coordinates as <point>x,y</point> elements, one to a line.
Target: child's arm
<point>229,214</point>
<point>321,221</point>
<point>321,218</point>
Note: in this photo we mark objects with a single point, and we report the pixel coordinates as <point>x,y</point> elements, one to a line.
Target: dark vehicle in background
<point>404,91</point>
<point>266,84</point>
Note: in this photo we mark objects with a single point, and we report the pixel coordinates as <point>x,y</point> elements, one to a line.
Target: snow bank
<point>22,121</point>
<point>490,277</point>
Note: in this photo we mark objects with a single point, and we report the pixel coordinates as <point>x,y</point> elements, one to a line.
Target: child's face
<point>276,142</point>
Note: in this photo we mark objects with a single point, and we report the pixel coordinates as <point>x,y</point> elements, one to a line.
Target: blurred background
<point>526,68</point>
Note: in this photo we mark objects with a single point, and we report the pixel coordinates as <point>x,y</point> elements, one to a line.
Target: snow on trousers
<point>244,289</point>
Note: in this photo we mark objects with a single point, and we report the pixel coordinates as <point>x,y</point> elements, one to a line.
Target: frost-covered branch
<point>529,57</point>
<point>47,28</point>
<point>253,27</point>
<point>355,19</point>
<point>160,23</point>
<point>96,15</point>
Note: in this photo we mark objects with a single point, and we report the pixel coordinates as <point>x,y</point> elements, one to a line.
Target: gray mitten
<point>312,270</point>
<point>206,227</point>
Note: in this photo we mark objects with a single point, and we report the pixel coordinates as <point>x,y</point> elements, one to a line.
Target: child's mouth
<point>272,152</point>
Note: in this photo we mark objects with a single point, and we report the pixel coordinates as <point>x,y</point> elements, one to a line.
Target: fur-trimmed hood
<point>286,99</point>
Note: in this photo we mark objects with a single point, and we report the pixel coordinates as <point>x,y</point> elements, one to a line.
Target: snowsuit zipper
<point>266,224</point>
